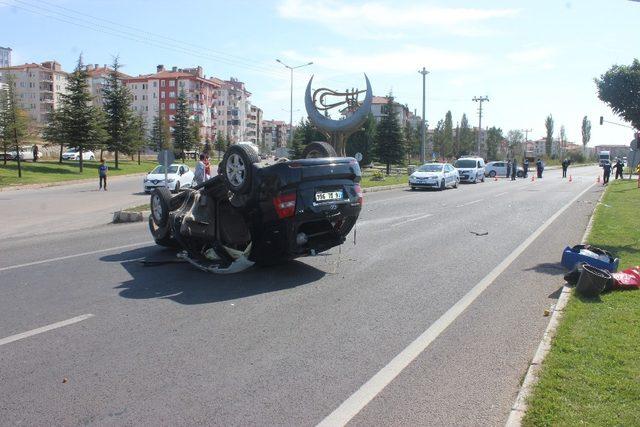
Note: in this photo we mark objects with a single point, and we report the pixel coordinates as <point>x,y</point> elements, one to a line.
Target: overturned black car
<point>251,213</point>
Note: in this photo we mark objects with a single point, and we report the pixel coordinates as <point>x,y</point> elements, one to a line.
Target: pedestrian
<point>565,166</point>
<point>606,169</point>
<point>539,168</point>
<point>514,169</point>
<point>619,166</point>
<point>525,167</point>
<point>207,167</point>
<point>199,173</point>
<point>508,168</point>
<point>35,153</point>
<point>102,174</point>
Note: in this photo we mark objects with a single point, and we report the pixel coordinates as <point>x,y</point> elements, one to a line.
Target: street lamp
<point>424,73</point>
<point>291,103</point>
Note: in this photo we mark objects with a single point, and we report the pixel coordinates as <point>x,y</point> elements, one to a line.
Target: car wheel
<point>317,149</point>
<point>237,165</point>
<point>161,235</point>
<point>455,184</point>
<point>92,157</point>
<point>443,185</point>
<point>492,174</point>
<point>177,189</point>
<point>413,188</point>
<point>482,178</point>
<point>520,174</point>
<point>160,199</point>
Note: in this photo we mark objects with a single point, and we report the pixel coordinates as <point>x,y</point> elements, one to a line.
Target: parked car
<point>434,175</point>
<point>73,154</point>
<point>255,213</point>
<point>499,168</point>
<point>179,176</point>
<point>25,154</point>
<point>470,169</point>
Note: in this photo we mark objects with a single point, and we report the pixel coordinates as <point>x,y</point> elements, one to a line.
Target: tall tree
<point>412,139</point>
<point>54,132</point>
<point>362,141</point>
<point>563,140</point>
<point>83,124</point>
<point>619,87</point>
<point>466,136</point>
<point>548,143</point>
<point>515,139</point>
<point>194,130</point>
<point>389,141</point>
<point>137,135</point>
<point>182,136</point>
<point>160,133</point>
<point>15,122</point>
<point>586,133</point>
<point>4,105</point>
<point>438,139</point>
<point>494,137</point>
<point>117,106</point>
<point>447,136</point>
<point>220,143</point>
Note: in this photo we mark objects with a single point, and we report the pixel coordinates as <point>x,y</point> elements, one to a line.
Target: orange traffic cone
<point>495,178</point>
<point>570,178</point>
<point>533,178</point>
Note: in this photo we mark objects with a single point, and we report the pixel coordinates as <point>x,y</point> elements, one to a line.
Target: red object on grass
<point>627,279</point>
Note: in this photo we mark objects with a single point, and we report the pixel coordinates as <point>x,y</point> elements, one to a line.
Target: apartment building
<point>157,93</point>
<point>275,133</point>
<point>98,79</point>
<point>234,110</point>
<point>38,87</point>
<point>254,125</point>
<point>5,57</point>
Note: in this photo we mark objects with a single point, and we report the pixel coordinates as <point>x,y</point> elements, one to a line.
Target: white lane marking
<point>369,390</point>
<point>368,222</point>
<point>392,199</point>
<point>411,220</point>
<point>50,327</point>
<point>469,203</point>
<point>501,194</point>
<point>29,264</point>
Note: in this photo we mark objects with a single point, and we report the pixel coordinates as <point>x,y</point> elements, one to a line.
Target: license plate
<point>329,195</point>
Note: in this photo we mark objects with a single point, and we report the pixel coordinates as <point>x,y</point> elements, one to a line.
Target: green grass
<point>45,172</point>
<point>139,208</point>
<point>591,376</point>
<point>388,180</point>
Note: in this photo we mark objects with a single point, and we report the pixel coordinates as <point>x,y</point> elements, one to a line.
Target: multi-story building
<point>233,108</point>
<point>275,133</point>
<point>154,94</point>
<point>98,78</point>
<point>5,57</point>
<point>38,87</point>
<point>254,125</point>
<point>380,107</point>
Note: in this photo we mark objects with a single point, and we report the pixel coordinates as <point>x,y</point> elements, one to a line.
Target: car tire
<point>492,174</point>
<point>237,167</point>
<point>318,149</point>
<point>455,184</point>
<point>161,235</point>
<point>482,179</point>
<point>443,185</point>
<point>160,202</point>
<point>520,174</point>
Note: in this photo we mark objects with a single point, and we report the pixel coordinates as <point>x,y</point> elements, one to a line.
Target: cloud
<point>377,20</point>
<point>402,60</point>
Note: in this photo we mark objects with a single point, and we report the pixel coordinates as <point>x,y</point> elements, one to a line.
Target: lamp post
<point>291,103</point>
<point>424,73</point>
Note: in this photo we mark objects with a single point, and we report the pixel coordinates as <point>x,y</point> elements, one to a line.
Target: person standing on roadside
<point>508,168</point>
<point>199,173</point>
<point>35,153</point>
<point>565,166</point>
<point>102,174</point>
<point>606,172</point>
<point>525,167</point>
<point>514,169</point>
<point>618,168</point>
<point>207,167</point>
<point>539,168</point>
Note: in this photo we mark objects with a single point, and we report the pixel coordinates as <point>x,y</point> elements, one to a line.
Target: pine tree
<point>182,134</point>
<point>194,132</point>
<point>362,140</point>
<point>15,123</point>
<point>389,141</point>
<point>160,133</point>
<point>137,135</point>
<point>117,106</point>
<point>494,136</point>
<point>466,136</point>
<point>447,136</point>
<point>438,139</point>
<point>548,123</point>
<point>220,143</point>
<point>4,105</point>
<point>83,124</point>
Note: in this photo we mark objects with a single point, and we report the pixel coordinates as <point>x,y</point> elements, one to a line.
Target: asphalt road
<point>288,345</point>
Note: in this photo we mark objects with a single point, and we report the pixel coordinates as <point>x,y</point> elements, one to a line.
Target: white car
<point>73,154</point>
<point>178,176</point>
<point>434,175</point>
<point>24,155</point>
<point>470,169</point>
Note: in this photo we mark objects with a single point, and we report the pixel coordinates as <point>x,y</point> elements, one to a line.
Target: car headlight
<point>145,180</point>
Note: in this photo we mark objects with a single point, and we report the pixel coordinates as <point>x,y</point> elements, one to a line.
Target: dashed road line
<point>411,220</point>
<point>42,329</point>
<point>469,203</point>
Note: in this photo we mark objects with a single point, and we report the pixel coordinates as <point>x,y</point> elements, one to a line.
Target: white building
<point>98,79</point>
<point>233,108</point>
<point>5,57</point>
<point>38,87</point>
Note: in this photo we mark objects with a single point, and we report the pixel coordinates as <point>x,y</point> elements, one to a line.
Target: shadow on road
<point>184,284</point>
<point>550,268</point>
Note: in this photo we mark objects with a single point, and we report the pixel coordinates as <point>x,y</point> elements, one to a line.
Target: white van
<point>470,169</point>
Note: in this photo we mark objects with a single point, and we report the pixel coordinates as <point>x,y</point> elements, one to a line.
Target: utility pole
<point>424,73</point>
<point>480,99</point>
<point>526,139</point>
<point>291,103</point>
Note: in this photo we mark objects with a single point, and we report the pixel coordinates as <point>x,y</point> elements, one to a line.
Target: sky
<point>531,58</point>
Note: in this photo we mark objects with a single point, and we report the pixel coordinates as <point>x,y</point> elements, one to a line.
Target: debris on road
<point>588,254</point>
<point>479,233</point>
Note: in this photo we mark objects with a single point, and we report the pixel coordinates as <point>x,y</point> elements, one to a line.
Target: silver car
<point>494,169</point>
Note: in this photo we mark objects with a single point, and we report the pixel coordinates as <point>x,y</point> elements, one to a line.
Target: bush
<point>377,176</point>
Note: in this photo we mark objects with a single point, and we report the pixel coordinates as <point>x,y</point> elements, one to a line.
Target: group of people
<point>606,170</point>
<point>202,171</point>
<point>512,168</point>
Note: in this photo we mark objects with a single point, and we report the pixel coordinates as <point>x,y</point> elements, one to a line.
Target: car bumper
<point>425,184</point>
<point>149,186</point>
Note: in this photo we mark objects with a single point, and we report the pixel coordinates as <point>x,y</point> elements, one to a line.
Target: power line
<point>137,38</point>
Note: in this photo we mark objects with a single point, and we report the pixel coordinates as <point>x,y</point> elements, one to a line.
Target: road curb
<point>63,183</point>
<point>124,216</point>
<point>519,408</point>
<point>384,187</point>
